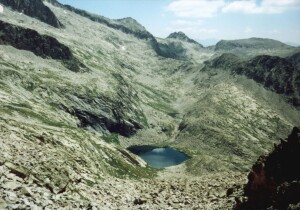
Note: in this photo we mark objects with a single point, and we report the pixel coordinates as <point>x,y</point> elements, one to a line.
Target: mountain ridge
<point>136,29</point>
<point>254,42</point>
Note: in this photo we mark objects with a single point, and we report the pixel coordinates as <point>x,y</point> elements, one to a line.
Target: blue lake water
<point>162,157</point>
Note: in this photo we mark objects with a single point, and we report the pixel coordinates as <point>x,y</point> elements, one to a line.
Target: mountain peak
<point>178,35</point>
<point>181,36</point>
<point>131,23</point>
<point>128,19</point>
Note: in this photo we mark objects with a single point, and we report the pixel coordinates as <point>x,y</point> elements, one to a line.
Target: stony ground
<point>171,189</point>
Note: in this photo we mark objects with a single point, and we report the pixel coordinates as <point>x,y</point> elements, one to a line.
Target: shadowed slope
<point>41,45</point>
<point>274,182</point>
<point>35,9</point>
<point>275,73</point>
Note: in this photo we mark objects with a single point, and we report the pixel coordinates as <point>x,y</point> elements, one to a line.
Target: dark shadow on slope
<point>295,59</point>
<point>104,113</point>
<point>141,149</point>
<point>41,45</point>
<point>173,50</point>
<point>275,73</point>
<point>114,123</point>
<point>35,9</point>
<point>274,182</point>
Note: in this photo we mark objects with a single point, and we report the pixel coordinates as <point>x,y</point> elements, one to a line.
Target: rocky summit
<point>77,90</point>
<point>181,36</point>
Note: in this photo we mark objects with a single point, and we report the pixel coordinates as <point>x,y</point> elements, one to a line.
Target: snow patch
<point>1,8</point>
<point>123,48</point>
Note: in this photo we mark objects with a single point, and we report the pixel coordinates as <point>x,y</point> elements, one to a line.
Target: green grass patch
<point>162,107</point>
<point>156,95</point>
<point>111,138</point>
<point>28,112</point>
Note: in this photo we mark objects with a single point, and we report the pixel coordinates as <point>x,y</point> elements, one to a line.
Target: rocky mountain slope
<point>275,73</point>
<point>126,25</point>
<point>273,182</point>
<point>295,59</point>
<point>41,45</point>
<point>180,47</point>
<point>72,100</point>
<point>34,8</point>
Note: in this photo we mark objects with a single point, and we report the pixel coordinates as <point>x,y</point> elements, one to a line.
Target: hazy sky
<point>206,19</point>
